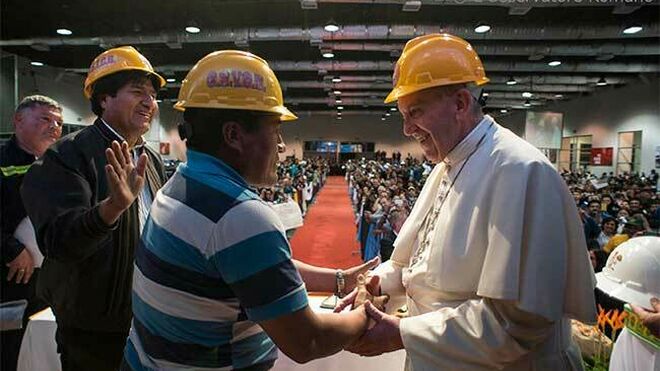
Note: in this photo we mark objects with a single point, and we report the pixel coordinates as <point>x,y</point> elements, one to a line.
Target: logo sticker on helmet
<point>615,259</point>
<point>100,62</point>
<point>235,79</point>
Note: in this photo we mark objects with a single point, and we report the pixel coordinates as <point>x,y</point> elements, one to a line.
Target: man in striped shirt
<point>214,284</point>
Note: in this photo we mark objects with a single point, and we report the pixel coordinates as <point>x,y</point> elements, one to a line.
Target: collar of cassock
<point>469,143</point>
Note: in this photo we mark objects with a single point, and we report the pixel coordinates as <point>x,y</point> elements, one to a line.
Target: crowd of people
<point>298,181</point>
<point>614,209</point>
<point>382,193</point>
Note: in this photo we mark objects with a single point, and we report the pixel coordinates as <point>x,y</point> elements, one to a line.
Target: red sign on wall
<point>601,156</point>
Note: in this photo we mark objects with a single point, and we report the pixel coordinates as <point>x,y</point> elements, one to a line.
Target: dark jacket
<point>14,163</point>
<point>88,268</point>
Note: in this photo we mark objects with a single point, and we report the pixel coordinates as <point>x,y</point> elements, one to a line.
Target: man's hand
<point>22,267</point>
<point>125,181</point>
<point>383,337</point>
<point>373,286</point>
<point>351,274</point>
<point>650,319</point>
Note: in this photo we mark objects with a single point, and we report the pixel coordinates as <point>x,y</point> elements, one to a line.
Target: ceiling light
<point>336,79</point>
<point>511,81</point>
<point>411,5</point>
<point>35,63</point>
<point>554,63</point>
<point>482,28</point>
<point>632,30</point>
<point>485,94</point>
<point>331,27</point>
<point>388,114</point>
<point>340,107</point>
<point>336,92</point>
<point>192,27</point>
<point>559,96</point>
<point>382,119</point>
<point>171,79</point>
<point>338,101</point>
<point>328,55</point>
<point>601,82</point>
<point>338,117</point>
<point>64,31</point>
<point>526,94</point>
<point>527,103</point>
<point>392,109</point>
<point>159,101</point>
<point>338,113</point>
<point>503,111</point>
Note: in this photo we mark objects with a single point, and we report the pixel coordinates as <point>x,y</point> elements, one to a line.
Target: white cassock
<point>491,282</point>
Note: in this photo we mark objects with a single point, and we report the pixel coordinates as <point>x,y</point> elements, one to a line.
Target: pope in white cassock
<point>492,262</point>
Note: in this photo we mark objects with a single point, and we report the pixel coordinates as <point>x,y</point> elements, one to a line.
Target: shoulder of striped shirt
<point>247,219</point>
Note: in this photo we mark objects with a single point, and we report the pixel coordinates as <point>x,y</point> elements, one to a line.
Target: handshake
<point>382,330</point>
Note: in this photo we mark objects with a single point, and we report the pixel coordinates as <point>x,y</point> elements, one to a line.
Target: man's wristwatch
<point>341,284</point>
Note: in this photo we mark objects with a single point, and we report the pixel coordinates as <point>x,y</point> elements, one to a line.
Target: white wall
<point>604,114</point>
<point>65,88</point>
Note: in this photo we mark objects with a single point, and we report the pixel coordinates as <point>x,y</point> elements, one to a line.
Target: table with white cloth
<point>39,351</point>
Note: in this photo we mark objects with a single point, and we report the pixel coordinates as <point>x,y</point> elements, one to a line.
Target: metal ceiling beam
<point>505,4</point>
<point>498,78</point>
<point>388,86</point>
<point>371,102</point>
<point>568,49</point>
<point>352,32</point>
<point>503,67</point>
<point>369,89</point>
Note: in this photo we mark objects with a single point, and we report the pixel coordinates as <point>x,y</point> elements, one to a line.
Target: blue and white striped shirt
<point>213,260</point>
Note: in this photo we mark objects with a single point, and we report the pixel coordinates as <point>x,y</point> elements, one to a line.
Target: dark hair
<point>109,85</point>
<point>203,126</point>
<point>609,219</point>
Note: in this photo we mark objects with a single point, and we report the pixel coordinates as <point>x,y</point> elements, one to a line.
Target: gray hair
<point>475,92</point>
<point>32,101</point>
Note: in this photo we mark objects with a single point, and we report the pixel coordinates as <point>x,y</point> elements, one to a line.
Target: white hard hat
<point>632,272</point>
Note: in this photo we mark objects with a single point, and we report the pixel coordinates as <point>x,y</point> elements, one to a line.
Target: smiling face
<point>609,227</point>
<point>438,119</point>
<point>38,127</point>
<point>132,109</point>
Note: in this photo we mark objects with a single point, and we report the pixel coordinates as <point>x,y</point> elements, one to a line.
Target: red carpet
<point>327,238</point>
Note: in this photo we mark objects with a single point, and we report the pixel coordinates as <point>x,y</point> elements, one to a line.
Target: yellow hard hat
<point>115,60</point>
<point>435,60</point>
<point>233,79</point>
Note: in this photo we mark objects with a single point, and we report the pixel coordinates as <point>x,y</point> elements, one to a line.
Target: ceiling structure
<point>525,36</point>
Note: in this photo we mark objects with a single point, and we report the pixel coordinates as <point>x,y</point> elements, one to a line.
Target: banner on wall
<point>601,156</point>
<point>543,129</point>
<point>657,157</point>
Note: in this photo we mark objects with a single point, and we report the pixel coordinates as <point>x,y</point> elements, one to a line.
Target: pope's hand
<point>383,337</point>
<point>373,286</point>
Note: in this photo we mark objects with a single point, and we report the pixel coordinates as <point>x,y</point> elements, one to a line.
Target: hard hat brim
<point>402,91</point>
<point>620,291</point>
<point>88,89</point>
<point>285,113</point>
